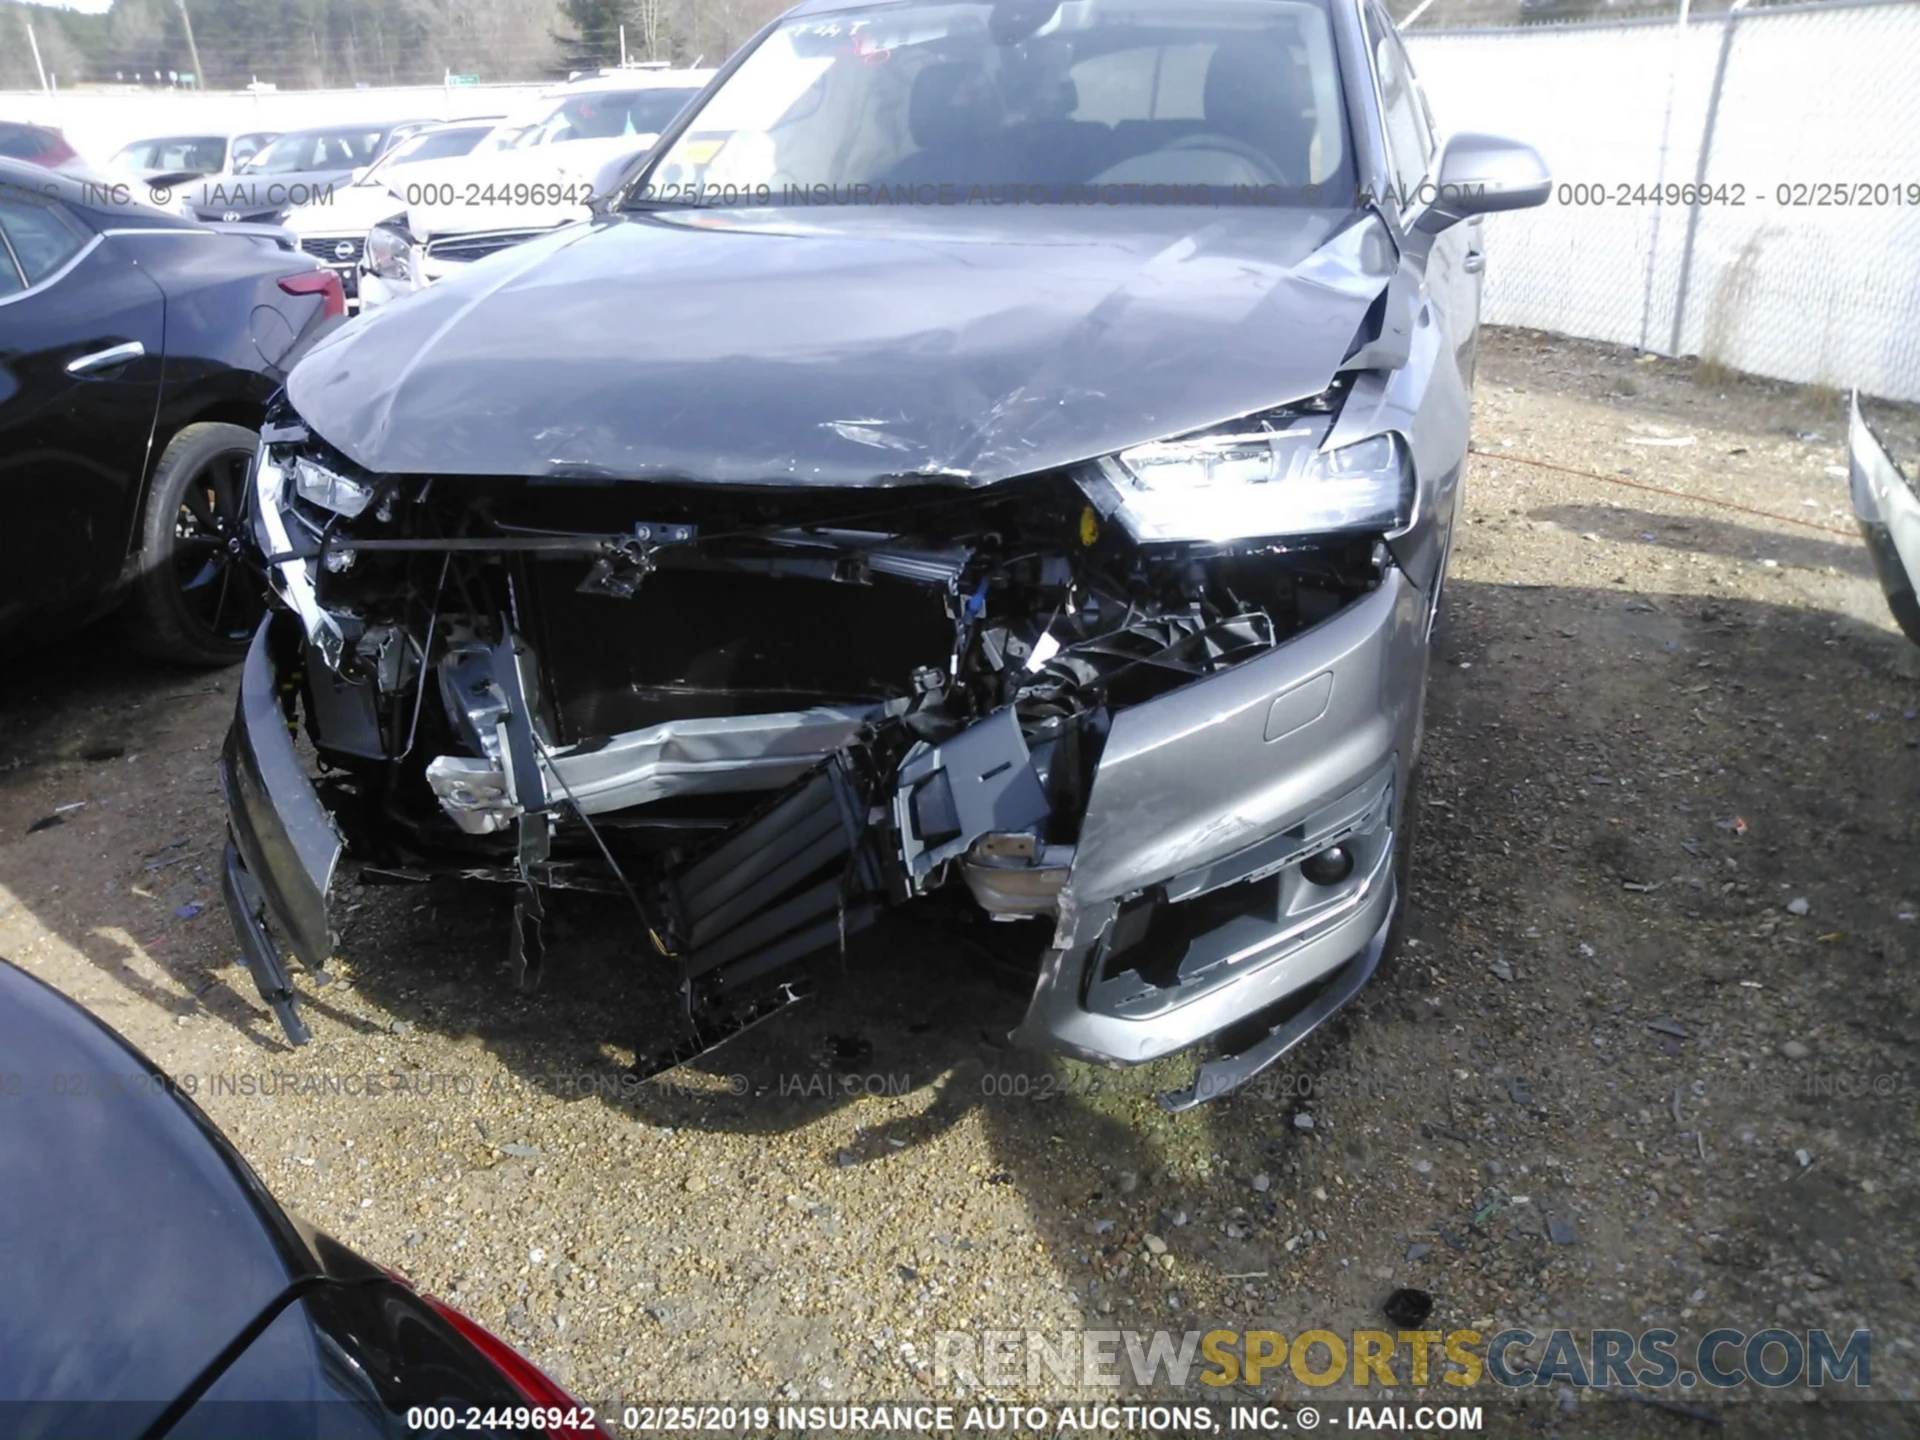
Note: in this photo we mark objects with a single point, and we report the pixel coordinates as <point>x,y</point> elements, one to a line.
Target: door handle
<point>109,359</point>
<point>1475,262</point>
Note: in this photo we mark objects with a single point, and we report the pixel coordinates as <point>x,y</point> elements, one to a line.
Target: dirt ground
<point>1647,1060</point>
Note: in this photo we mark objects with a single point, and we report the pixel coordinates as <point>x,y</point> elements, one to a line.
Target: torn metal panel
<point>1210,743</point>
<point>678,757</point>
<point>804,710</point>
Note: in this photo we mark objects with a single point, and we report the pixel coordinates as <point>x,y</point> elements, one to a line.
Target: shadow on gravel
<point>1610,836</point>
<point>1716,537</point>
<point>106,718</point>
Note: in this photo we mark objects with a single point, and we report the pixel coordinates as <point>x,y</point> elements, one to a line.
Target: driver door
<point>81,343</point>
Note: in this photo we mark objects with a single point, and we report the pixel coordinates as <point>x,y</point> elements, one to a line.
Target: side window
<point>1402,107</point>
<point>40,235</point>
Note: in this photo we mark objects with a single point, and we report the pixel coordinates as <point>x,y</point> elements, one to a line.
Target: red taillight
<point>520,1372</point>
<point>323,283</point>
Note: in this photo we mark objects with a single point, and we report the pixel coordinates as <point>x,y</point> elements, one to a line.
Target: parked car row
<point>338,187</point>
<point>173,159</point>
<point>335,232</point>
<point>139,347</point>
<point>298,168</point>
<point>533,175</point>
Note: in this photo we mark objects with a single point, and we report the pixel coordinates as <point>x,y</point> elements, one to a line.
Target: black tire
<point>195,599</point>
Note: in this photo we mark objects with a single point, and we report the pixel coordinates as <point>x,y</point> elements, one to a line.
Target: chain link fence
<point>1744,187</point>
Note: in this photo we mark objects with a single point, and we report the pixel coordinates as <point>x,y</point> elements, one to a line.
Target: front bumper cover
<point>283,847</point>
<point>1217,790</point>
<point>1205,794</point>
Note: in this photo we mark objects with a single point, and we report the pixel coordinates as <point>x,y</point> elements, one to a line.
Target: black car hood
<point>136,1244</point>
<point>861,348</point>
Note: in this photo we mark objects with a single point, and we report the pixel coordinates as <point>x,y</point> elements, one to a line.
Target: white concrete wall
<point>1827,294</point>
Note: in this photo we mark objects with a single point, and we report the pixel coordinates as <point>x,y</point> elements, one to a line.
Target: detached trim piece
<point>284,847</point>
<point>269,970</point>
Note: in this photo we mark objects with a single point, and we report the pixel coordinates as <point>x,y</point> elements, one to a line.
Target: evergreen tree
<point>595,40</point>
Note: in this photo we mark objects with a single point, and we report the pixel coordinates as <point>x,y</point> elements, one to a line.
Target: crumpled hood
<point>858,348</point>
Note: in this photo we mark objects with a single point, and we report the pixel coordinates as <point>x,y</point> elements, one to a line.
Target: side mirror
<point>1481,174</point>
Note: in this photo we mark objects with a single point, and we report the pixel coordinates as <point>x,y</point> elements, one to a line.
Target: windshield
<point>316,150</point>
<point>606,114</point>
<point>1081,101</point>
<point>433,145</point>
<point>205,153</point>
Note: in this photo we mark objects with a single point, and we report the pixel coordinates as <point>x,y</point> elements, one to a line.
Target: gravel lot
<point>1648,1058</point>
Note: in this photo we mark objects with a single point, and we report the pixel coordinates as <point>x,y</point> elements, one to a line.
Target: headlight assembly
<point>389,252</point>
<point>322,487</point>
<point>1244,483</point>
<point>292,578</point>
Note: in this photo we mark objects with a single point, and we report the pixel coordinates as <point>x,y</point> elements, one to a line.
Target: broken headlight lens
<point>389,252</point>
<point>1252,483</point>
<point>290,575</point>
<point>320,486</point>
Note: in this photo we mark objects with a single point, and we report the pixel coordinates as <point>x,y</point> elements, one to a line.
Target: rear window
<point>40,234</point>
<point>440,145</point>
<point>321,150</point>
<point>205,153</point>
<point>23,142</point>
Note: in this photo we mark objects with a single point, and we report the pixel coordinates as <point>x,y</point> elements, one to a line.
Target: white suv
<point>524,180</point>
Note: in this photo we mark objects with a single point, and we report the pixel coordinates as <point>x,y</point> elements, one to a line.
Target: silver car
<point>301,167</point>
<point>172,159</point>
<point>1888,510</point>
<point>1002,453</point>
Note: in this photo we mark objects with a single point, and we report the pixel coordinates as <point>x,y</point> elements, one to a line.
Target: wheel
<point>194,597</point>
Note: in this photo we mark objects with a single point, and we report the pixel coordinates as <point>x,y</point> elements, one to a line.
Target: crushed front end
<point>764,715</point>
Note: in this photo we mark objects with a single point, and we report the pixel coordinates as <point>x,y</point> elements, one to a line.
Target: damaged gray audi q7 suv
<point>1008,448</point>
